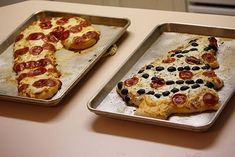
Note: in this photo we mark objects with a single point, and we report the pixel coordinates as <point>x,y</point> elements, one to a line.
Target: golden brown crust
<point>84,44</point>
<point>45,93</point>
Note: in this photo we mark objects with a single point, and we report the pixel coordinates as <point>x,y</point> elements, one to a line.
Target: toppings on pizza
<point>192,60</point>
<point>34,52</point>
<point>157,82</point>
<point>210,99</point>
<point>209,73</point>
<point>132,81</point>
<point>35,36</point>
<point>181,82</point>
<point>168,60</point>
<point>179,99</point>
<point>21,51</point>
<point>62,21</point>
<point>185,74</point>
<point>45,24</point>
<point>208,57</point>
<point>44,82</point>
<point>19,37</point>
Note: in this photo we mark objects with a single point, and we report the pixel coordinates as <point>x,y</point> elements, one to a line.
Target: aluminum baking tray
<point>72,65</point>
<point>163,38</point>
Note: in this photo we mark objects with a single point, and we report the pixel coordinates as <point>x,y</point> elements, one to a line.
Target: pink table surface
<point>70,129</point>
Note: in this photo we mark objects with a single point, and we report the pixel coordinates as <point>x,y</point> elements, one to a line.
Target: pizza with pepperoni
<point>34,52</point>
<point>183,81</point>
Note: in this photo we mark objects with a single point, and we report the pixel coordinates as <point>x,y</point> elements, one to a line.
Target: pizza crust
<point>71,45</point>
<point>44,93</point>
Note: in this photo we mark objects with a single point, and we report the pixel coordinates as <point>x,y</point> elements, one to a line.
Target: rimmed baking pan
<point>73,65</point>
<point>162,39</point>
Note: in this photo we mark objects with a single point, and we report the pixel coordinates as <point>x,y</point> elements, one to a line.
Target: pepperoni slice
<point>35,36</point>
<point>44,82</point>
<point>192,60</point>
<point>22,88</point>
<point>36,50</point>
<point>22,76</point>
<point>57,32</point>
<point>210,99</point>
<point>168,60</point>
<point>58,29</point>
<point>175,51</point>
<point>208,57</point>
<point>209,73</point>
<point>45,19</point>
<point>179,99</point>
<point>45,25</point>
<point>132,81</point>
<point>65,35</point>
<point>38,71</point>
<point>75,29</point>
<point>19,67</point>
<point>51,37</point>
<point>43,62</point>
<point>83,38</point>
<point>84,23</point>
<point>31,64</point>
<point>185,74</point>
<point>39,63</point>
<point>157,82</point>
<point>19,37</point>
<point>48,47</point>
<point>21,52</point>
<point>62,21</point>
<point>78,40</point>
<point>91,34</point>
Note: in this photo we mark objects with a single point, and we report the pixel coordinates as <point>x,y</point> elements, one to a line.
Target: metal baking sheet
<point>72,65</point>
<point>162,39</point>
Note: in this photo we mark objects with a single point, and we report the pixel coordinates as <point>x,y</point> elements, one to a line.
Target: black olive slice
<point>127,99</point>
<point>159,68</point>
<point>119,85</point>
<point>200,81</point>
<point>195,68</point>
<point>166,93</point>
<point>170,82</point>
<point>157,95</point>
<point>183,88</point>
<point>195,86</point>
<point>149,66</point>
<point>174,90</point>
<point>150,92</point>
<point>145,75</point>
<point>179,82</point>
<point>124,91</point>
<point>194,44</point>
<point>171,69</point>
<point>189,81</point>
<point>141,91</point>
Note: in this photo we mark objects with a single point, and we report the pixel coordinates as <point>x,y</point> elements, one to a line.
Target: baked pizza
<point>184,81</point>
<point>34,52</point>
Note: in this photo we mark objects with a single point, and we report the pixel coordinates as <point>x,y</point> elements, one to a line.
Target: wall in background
<point>7,2</point>
<point>171,5</point>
